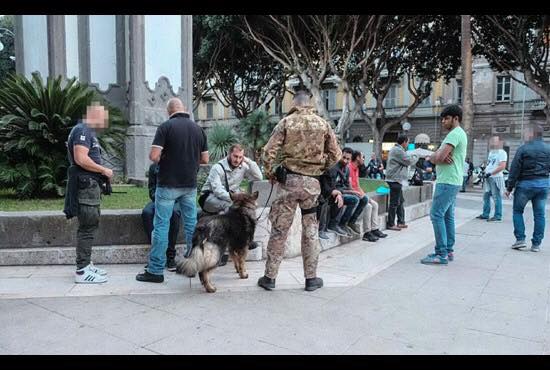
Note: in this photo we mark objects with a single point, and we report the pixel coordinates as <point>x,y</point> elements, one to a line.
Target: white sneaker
<point>87,276</point>
<point>97,270</point>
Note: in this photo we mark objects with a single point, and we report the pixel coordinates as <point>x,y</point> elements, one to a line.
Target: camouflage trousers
<point>302,191</point>
<point>89,196</point>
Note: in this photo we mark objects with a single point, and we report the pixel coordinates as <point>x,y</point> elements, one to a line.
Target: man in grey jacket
<point>225,176</point>
<point>397,173</point>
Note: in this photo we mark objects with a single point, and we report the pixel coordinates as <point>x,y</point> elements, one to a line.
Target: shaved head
<point>301,99</point>
<point>175,105</point>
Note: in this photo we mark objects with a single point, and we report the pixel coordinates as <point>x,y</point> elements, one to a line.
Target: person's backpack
<point>416,179</point>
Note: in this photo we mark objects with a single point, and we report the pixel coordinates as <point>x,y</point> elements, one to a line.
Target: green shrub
<point>35,121</point>
<point>220,139</point>
<point>256,130</point>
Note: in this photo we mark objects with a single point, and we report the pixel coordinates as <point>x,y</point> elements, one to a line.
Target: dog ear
<point>255,195</point>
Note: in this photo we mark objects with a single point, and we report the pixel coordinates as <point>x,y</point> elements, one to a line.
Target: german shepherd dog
<point>213,234</point>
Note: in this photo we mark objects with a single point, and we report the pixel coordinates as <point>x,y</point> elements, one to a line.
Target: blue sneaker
<point>450,256</point>
<point>434,259</point>
<point>535,248</point>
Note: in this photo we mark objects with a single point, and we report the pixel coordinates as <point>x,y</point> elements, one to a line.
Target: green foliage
<point>7,65</point>
<point>220,138</point>
<point>35,121</point>
<point>255,131</point>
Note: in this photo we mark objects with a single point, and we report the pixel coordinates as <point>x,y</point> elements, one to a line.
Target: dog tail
<point>201,259</point>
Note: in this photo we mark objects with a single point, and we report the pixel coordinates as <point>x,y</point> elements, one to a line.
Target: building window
<point>426,102</point>
<point>459,91</point>
<point>504,88</point>
<point>209,110</point>
<point>391,98</point>
<point>330,99</point>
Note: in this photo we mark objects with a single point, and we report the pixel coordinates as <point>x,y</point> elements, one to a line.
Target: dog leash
<point>266,202</point>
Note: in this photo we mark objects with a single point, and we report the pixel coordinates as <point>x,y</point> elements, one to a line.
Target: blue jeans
<point>360,206</point>
<point>497,197</point>
<point>165,198</point>
<point>442,215</point>
<point>537,196</point>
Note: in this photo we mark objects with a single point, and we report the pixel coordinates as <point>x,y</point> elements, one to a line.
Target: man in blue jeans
<point>529,175</point>
<point>179,147</point>
<point>493,186</point>
<point>449,159</point>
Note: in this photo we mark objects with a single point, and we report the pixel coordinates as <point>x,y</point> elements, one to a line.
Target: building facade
<point>502,107</point>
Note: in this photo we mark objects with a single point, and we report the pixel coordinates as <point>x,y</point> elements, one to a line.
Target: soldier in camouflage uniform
<point>308,147</point>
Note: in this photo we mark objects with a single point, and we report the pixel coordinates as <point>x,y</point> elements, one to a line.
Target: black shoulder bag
<point>206,193</point>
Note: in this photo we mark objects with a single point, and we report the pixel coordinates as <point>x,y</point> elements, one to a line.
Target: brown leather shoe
<point>402,226</point>
<point>394,228</point>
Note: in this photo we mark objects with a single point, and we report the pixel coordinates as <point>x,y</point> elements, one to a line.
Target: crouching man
<point>226,176</point>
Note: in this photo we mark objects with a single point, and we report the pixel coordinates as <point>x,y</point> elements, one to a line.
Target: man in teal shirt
<point>450,162</point>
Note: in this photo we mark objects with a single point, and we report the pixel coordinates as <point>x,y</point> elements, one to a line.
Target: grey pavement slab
<point>378,299</point>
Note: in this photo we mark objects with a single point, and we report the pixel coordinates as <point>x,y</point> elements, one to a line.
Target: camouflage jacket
<point>305,141</point>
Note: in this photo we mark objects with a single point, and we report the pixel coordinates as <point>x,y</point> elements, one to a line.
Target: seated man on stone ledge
<point>227,176</point>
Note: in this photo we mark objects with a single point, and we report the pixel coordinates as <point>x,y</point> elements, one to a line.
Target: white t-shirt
<point>495,157</point>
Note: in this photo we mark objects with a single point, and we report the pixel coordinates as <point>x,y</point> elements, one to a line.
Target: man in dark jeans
<point>529,175</point>
<point>148,215</point>
<point>330,203</point>
<point>397,173</point>
<point>84,154</point>
<point>353,201</point>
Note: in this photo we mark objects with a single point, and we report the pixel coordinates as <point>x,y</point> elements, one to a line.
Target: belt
<point>301,174</point>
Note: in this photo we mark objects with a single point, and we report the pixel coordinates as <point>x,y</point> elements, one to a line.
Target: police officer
<point>84,188</point>
<point>308,147</point>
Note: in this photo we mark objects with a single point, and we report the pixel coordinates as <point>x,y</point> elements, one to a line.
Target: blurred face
<point>373,156</point>
<point>97,117</point>
<point>448,122</point>
<point>236,157</point>
<point>405,144</point>
<point>346,158</point>
<point>494,143</point>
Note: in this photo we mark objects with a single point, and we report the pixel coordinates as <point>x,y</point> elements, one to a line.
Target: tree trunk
<point>346,118</point>
<point>467,88</point>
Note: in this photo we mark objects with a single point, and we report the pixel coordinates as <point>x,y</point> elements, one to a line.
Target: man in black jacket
<point>148,215</point>
<point>529,175</point>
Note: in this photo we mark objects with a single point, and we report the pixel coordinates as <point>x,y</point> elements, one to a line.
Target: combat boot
<point>266,283</point>
<point>314,284</point>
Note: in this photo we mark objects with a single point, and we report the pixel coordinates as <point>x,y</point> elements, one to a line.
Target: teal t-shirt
<point>452,173</point>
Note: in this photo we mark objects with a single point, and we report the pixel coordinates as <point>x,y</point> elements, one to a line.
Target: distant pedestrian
<point>179,147</point>
<point>493,187</point>
<point>397,174</point>
<point>529,176</point>
<point>449,159</point>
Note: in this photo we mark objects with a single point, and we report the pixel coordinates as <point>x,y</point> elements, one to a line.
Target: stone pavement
<point>378,299</point>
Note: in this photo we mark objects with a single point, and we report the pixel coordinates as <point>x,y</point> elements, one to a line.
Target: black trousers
<point>148,215</point>
<point>396,204</point>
